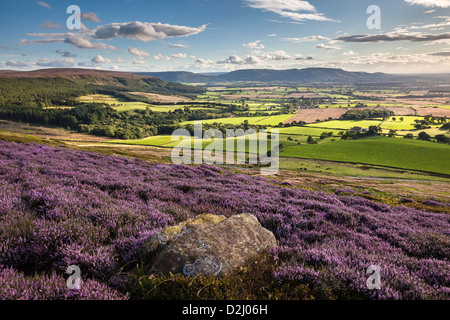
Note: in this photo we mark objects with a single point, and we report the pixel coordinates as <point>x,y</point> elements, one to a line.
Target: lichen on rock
<point>208,244</point>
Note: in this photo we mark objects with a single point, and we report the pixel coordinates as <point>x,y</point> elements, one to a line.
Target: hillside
<point>61,207</point>
<point>391,152</point>
<point>71,73</point>
<point>307,75</point>
<point>53,86</point>
<point>179,76</point>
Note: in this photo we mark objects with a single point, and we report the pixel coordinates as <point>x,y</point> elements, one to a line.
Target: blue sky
<point>219,35</point>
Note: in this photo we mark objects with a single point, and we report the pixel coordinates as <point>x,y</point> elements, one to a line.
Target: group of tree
<point>63,91</point>
<point>428,121</point>
<point>325,135</point>
<point>446,126</point>
<point>101,119</point>
<point>39,92</point>
<point>440,138</point>
<point>355,134</point>
<point>358,114</point>
<point>294,123</point>
<point>223,128</point>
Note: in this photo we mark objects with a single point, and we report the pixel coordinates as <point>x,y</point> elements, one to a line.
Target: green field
<point>345,124</point>
<point>165,141</point>
<point>306,131</point>
<point>391,152</point>
<point>151,141</point>
<point>407,123</point>
<point>118,104</point>
<point>432,132</point>
<point>122,105</point>
<point>363,157</point>
<point>268,121</point>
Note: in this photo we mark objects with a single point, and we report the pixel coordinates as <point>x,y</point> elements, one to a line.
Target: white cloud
<point>256,45</point>
<point>65,53</point>
<point>120,60</point>
<point>138,52</point>
<point>237,60</point>
<point>293,9</point>
<point>144,31</point>
<point>395,36</point>
<point>82,42</point>
<point>349,53</point>
<point>98,59</point>
<point>307,39</point>
<point>44,4</point>
<point>204,62</point>
<point>278,55</point>
<point>17,64</point>
<point>95,62</point>
<point>88,39</point>
<point>177,45</point>
<point>273,5</point>
<point>45,62</point>
<point>79,40</point>
<point>275,55</point>
<point>90,16</point>
<point>56,63</point>
<point>431,3</point>
<point>325,47</point>
<point>50,25</point>
<point>135,61</point>
<point>159,56</point>
<point>433,26</point>
<point>179,55</point>
<point>41,41</point>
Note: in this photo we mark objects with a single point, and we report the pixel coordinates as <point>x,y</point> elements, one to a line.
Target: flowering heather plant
<point>61,207</point>
<point>53,287</point>
<point>434,203</point>
<point>344,191</point>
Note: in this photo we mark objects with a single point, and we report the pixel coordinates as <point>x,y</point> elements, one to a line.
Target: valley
<point>363,159</point>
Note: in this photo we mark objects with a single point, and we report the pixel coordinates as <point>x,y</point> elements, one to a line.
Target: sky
<point>403,36</point>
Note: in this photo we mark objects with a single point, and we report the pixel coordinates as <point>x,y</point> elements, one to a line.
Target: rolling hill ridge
<point>308,75</point>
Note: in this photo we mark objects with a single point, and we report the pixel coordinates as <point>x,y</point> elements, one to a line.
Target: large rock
<point>207,244</point>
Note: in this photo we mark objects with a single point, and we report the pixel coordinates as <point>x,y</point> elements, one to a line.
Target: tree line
<point>101,119</point>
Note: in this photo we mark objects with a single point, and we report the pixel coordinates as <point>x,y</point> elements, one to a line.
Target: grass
<point>330,168</point>
<point>118,104</point>
<point>306,131</point>
<point>128,106</point>
<point>268,121</point>
<point>345,124</point>
<point>151,141</point>
<point>432,132</point>
<point>407,123</point>
<point>24,138</point>
<point>391,152</point>
<point>99,98</point>
<point>122,105</point>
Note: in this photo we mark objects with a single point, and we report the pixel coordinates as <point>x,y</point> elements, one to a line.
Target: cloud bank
<point>431,3</point>
<point>297,10</point>
<point>144,31</point>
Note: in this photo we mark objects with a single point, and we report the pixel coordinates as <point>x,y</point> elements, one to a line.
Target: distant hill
<point>107,80</point>
<point>308,75</point>
<point>73,73</point>
<point>301,75</point>
<point>99,80</point>
<point>62,86</point>
<point>179,76</point>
